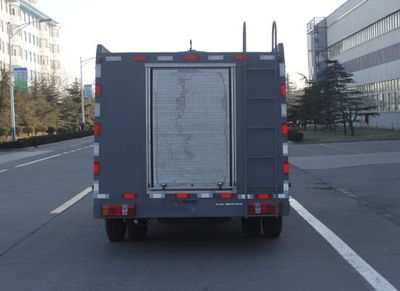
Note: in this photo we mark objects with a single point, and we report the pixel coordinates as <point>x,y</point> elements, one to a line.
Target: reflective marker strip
<point>98,70</point>
<point>284,110</point>
<point>96,187</point>
<point>285,149</point>
<point>283,196</point>
<point>97,110</point>
<point>96,149</point>
<point>215,58</point>
<point>101,196</point>
<point>113,59</point>
<point>165,58</point>
<point>282,70</point>
<point>157,195</point>
<point>286,187</point>
<point>243,196</point>
<point>267,57</point>
<point>205,195</point>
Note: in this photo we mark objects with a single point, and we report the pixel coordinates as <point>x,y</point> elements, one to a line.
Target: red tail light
<point>96,129</point>
<point>263,196</point>
<point>240,58</point>
<point>129,196</point>
<point>140,58</point>
<point>96,168</point>
<point>284,129</point>
<point>190,58</point>
<point>118,210</point>
<point>225,195</point>
<point>262,208</point>
<point>283,90</point>
<point>182,195</point>
<point>98,90</point>
<point>286,168</point>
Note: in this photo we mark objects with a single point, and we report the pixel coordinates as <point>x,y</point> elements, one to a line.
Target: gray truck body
<point>190,134</point>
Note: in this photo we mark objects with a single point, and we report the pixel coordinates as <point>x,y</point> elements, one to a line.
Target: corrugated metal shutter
<point>191,131</point>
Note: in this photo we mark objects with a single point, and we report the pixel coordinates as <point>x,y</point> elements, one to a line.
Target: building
<point>35,45</point>
<point>364,36</point>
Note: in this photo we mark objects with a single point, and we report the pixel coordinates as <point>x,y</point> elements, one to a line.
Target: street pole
<point>82,99</point>
<point>82,63</point>
<point>11,34</point>
<point>11,85</point>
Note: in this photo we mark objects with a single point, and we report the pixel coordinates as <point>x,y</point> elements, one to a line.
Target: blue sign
<point>21,78</point>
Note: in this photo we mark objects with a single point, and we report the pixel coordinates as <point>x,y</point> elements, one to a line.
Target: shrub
<point>294,135</point>
<point>44,139</point>
<point>3,131</point>
<point>27,130</point>
<point>50,130</point>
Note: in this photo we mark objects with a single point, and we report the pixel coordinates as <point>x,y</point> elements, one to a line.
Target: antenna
<point>190,45</point>
<point>244,37</point>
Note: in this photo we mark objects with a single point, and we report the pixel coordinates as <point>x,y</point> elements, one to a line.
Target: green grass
<point>361,134</point>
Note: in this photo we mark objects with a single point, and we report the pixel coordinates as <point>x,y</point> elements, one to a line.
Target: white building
<point>35,46</point>
<point>363,35</point>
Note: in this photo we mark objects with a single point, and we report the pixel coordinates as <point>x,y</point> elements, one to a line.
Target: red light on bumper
<point>118,210</point>
<point>129,196</point>
<point>262,208</point>
<point>284,129</point>
<point>98,90</point>
<point>182,195</point>
<point>96,168</point>
<point>263,196</point>
<point>96,129</point>
<point>283,90</point>
<point>286,168</point>
<point>225,195</point>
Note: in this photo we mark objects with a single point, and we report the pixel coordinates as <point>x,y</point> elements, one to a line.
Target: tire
<point>272,226</point>
<point>115,229</point>
<point>251,227</point>
<point>137,229</point>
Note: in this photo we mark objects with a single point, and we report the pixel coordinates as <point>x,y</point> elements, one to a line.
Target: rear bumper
<point>169,207</point>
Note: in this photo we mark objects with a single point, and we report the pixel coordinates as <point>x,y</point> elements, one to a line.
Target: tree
<point>342,98</point>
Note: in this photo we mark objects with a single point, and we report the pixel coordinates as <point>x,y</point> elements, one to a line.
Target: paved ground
<point>357,200</point>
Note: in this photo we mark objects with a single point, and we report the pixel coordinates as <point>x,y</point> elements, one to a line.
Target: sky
<point>168,26</point>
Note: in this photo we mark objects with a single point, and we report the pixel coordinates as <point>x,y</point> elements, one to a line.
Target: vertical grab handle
<point>274,38</point>
<point>244,37</point>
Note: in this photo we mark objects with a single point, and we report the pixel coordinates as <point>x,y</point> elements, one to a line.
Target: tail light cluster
<point>110,210</point>
<point>262,208</point>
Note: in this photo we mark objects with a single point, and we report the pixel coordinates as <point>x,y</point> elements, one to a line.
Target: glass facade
<point>389,23</point>
<point>383,96</point>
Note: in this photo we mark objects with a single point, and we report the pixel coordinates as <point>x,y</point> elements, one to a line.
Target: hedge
<point>294,135</point>
<point>44,139</point>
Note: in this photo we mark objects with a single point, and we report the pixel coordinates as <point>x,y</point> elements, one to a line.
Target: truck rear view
<point>191,135</point>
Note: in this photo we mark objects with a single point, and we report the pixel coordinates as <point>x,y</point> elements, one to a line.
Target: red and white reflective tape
<point>96,149</point>
<point>113,59</point>
<point>267,57</point>
<point>286,187</point>
<point>205,195</point>
<point>282,70</point>
<point>101,196</point>
<point>285,149</point>
<point>157,195</point>
<point>165,58</point>
<point>97,110</point>
<point>284,110</point>
<point>98,70</point>
<point>216,58</point>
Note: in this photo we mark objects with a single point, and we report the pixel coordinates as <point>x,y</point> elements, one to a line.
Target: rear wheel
<point>137,229</point>
<point>115,229</point>
<point>251,226</point>
<point>272,226</point>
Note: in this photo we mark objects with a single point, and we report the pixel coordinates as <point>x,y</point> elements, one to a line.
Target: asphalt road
<point>353,189</point>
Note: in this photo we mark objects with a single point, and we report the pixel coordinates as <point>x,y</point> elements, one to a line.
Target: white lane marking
<point>37,161</point>
<point>376,280</point>
<point>2,171</point>
<point>64,153</point>
<point>72,201</point>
